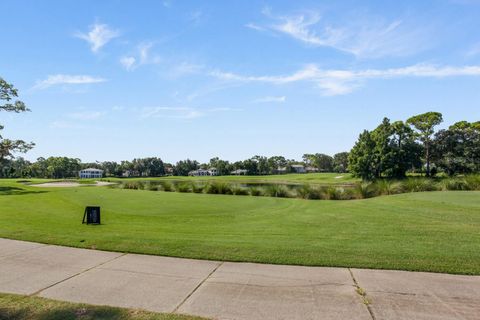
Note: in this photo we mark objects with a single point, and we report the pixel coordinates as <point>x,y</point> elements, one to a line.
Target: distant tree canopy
<point>8,147</point>
<point>392,149</point>
<point>424,124</point>
<point>388,151</point>
<point>456,150</point>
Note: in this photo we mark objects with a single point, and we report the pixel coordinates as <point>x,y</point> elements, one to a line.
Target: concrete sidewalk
<point>224,290</point>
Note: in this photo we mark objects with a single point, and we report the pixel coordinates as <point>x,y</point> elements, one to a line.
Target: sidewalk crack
<point>196,288</point>
<point>363,294</point>
<point>76,274</point>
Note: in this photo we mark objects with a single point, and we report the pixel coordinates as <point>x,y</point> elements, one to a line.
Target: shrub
<point>130,185</point>
<point>277,190</point>
<point>240,191</point>
<point>308,192</point>
<point>387,187</point>
<point>333,193</point>
<point>256,192</point>
<point>183,187</point>
<point>152,186</point>
<point>365,190</point>
<point>419,184</point>
<point>218,188</point>
<point>167,186</point>
<point>473,181</point>
<point>197,188</point>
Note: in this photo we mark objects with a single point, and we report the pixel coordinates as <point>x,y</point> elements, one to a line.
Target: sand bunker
<point>69,184</point>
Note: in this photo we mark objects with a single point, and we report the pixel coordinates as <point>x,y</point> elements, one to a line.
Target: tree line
<point>64,167</point>
<point>395,148</point>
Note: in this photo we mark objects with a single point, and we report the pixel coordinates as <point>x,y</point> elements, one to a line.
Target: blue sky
<point>115,80</point>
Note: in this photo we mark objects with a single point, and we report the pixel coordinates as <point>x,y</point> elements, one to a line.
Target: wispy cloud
<point>338,82</point>
<point>255,26</point>
<point>98,36</point>
<point>59,79</point>
<point>186,68</point>
<point>61,124</point>
<point>179,112</point>
<point>270,99</point>
<point>365,37</point>
<point>86,115</point>
<point>474,50</point>
<point>141,56</point>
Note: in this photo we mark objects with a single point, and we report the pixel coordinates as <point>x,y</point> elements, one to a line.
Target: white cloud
<point>364,37</point>
<point>98,36</point>
<point>255,26</point>
<point>185,68</point>
<point>179,112</point>
<point>141,56</point>
<point>271,99</point>
<point>338,82</point>
<point>59,79</point>
<point>128,62</point>
<point>171,112</point>
<point>86,115</point>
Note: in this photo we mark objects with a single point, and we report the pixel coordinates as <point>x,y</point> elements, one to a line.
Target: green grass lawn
<point>16,307</point>
<point>426,231</point>
<point>293,178</point>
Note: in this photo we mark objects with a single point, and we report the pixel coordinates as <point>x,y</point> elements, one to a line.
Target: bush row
<point>361,190</point>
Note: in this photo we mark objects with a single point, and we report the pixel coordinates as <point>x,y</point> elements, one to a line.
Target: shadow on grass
<point>63,313</point>
<point>15,191</point>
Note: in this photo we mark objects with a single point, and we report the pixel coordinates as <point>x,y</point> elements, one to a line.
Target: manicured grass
<point>426,231</point>
<point>16,307</point>
<point>293,178</point>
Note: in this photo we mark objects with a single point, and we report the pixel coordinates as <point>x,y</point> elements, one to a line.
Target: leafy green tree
<point>276,162</point>
<point>182,168</point>
<point>223,167</point>
<point>362,160</point>
<point>340,162</point>
<point>322,162</point>
<point>8,147</point>
<point>456,150</point>
<point>388,151</point>
<point>424,125</point>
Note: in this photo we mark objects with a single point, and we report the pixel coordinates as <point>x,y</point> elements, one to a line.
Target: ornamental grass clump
<point>387,187</point>
<point>473,181</point>
<point>419,185</point>
<point>308,192</point>
<point>365,190</point>
<point>167,186</point>
<point>277,190</point>
<point>240,191</point>
<point>256,192</point>
<point>183,187</point>
<point>218,188</point>
<point>197,188</point>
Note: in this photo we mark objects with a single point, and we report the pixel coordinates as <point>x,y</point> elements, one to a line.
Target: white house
<point>203,172</point>
<point>239,172</point>
<point>90,173</point>
<point>298,168</point>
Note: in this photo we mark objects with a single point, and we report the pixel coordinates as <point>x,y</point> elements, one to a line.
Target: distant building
<point>203,172</point>
<point>239,172</point>
<point>311,169</point>
<point>90,173</point>
<point>298,168</point>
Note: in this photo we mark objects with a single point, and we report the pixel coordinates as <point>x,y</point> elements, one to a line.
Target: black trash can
<point>91,215</point>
